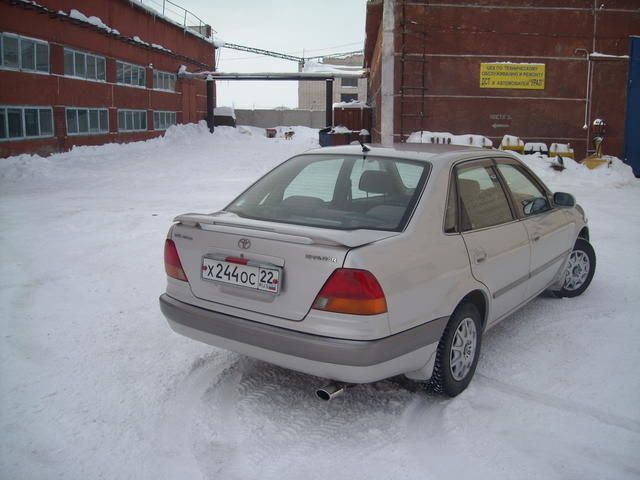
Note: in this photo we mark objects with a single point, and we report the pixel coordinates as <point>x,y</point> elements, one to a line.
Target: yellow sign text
<point>525,76</point>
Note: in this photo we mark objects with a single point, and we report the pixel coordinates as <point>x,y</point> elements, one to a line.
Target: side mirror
<point>564,199</point>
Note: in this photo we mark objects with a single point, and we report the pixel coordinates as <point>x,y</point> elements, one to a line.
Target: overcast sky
<point>296,27</point>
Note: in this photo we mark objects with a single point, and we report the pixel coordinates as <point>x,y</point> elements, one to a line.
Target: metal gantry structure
<point>285,56</point>
<point>328,78</point>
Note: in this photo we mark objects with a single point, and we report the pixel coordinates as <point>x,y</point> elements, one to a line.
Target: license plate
<point>266,278</point>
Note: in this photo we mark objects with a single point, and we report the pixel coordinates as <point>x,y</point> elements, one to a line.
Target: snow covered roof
<point>225,112</point>
<point>95,21</point>
<point>312,66</point>
<point>352,104</point>
<point>76,15</point>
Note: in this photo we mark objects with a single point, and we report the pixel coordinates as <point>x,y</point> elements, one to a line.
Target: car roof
<point>440,156</point>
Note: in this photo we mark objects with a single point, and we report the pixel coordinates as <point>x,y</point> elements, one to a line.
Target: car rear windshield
<point>338,192</point>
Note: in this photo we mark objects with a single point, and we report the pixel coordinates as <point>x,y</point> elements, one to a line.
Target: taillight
<point>172,264</point>
<point>351,291</point>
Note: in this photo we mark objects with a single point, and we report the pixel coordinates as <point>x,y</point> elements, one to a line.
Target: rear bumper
<point>354,361</point>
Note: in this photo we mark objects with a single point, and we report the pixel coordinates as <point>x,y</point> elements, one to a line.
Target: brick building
<point>88,73</point>
<point>538,69</point>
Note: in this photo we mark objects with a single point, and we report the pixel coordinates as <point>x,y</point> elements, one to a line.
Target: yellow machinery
<point>561,150</point>
<point>595,160</point>
<point>513,144</point>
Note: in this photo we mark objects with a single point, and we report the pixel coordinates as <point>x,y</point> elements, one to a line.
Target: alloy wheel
<point>463,349</point>
<point>577,270</point>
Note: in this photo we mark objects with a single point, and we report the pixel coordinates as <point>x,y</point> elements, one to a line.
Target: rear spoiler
<point>281,232</point>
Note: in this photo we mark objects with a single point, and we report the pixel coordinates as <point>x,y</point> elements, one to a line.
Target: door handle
<point>535,237</point>
<point>480,256</point>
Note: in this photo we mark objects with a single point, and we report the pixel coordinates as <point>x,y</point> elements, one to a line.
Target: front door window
<point>529,198</point>
<point>483,201</point>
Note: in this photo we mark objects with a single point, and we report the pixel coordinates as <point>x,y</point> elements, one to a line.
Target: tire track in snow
<point>429,438</point>
<point>174,440</point>
<point>279,426</point>
<point>625,423</point>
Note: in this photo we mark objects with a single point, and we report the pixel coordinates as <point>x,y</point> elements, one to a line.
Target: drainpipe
<point>329,103</point>
<point>210,102</point>
<point>387,73</point>
<point>587,90</point>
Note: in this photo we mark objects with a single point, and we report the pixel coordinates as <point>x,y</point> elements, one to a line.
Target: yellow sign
<point>525,76</point>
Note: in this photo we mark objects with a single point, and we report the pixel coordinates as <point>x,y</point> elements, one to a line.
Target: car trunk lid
<point>304,256</point>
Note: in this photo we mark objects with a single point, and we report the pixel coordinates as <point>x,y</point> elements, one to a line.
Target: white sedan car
<point>360,263</point>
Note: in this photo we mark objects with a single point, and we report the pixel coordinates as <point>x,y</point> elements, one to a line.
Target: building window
<point>24,54</point>
<point>19,123</point>
<point>130,74</point>
<point>348,97</point>
<point>132,120</point>
<point>87,121</point>
<point>84,65</point>
<point>349,82</point>
<point>163,120</point>
<point>164,81</point>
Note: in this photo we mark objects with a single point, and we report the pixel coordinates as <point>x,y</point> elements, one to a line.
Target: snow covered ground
<point>94,384</point>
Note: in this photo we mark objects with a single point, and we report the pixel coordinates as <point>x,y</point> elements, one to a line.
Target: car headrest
<point>374,181</point>
<point>301,203</point>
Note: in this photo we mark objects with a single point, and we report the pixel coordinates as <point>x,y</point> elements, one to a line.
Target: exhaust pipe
<point>332,390</point>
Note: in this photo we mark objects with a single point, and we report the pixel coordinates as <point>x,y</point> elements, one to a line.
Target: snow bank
<point>35,168</point>
<point>25,167</point>
<point>575,174</point>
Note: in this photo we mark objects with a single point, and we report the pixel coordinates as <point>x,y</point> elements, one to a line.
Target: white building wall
<point>311,95</point>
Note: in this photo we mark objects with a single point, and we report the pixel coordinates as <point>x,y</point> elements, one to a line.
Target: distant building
<point>106,72</point>
<point>544,71</point>
<point>311,95</point>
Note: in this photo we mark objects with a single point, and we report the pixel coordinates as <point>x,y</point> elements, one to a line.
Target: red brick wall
<point>439,47</point>
<point>58,91</point>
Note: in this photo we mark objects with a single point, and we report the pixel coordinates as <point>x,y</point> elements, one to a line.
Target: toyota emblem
<point>244,243</point>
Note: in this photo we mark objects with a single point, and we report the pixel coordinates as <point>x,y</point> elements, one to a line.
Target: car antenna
<point>365,149</point>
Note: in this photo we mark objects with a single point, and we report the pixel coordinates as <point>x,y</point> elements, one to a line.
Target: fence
<point>177,14</point>
<point>275,118</point>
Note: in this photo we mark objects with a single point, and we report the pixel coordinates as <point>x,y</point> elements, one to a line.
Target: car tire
<point>579,270</point>
<point>458,351</point>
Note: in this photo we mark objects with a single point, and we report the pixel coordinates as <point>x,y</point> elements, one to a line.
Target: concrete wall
<point>275,118</point>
